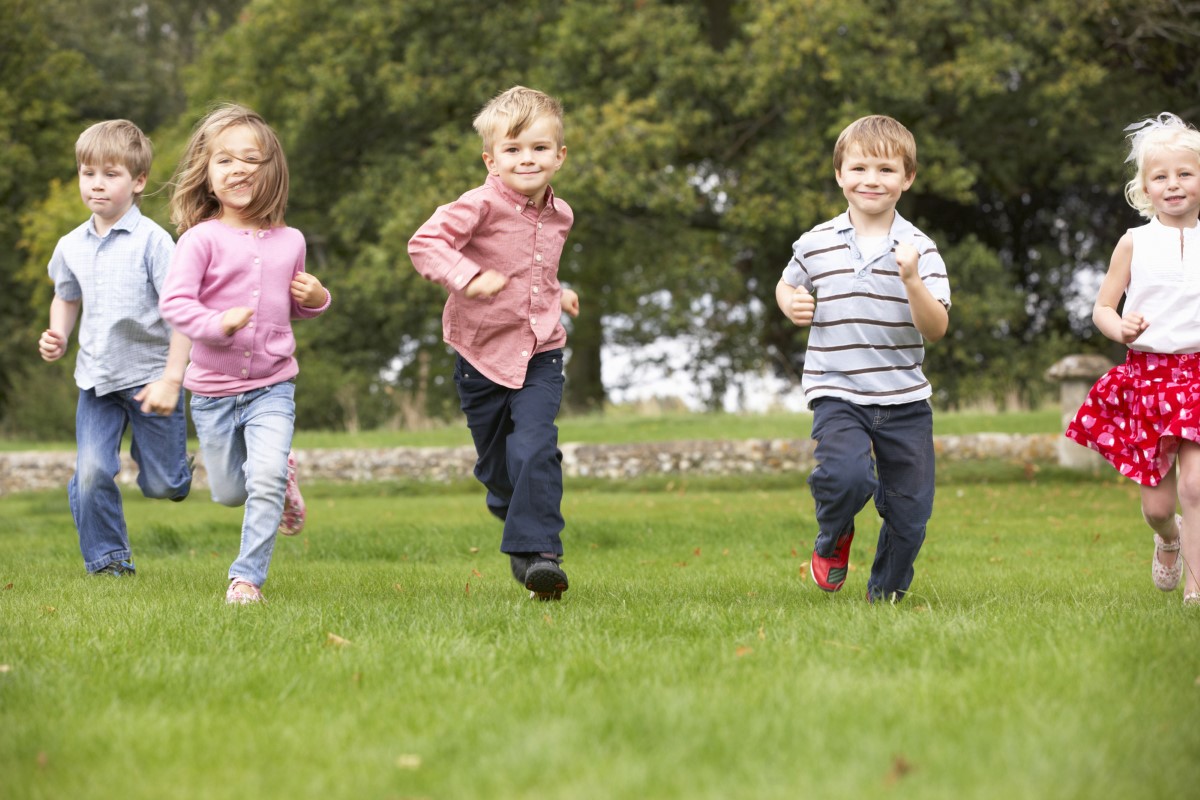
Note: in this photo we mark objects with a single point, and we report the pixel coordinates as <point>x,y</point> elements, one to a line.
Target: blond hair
<point>879,136</point>
<point>509,113</point>
<point>192,199</point>
<point>1164,132</point>
<point>117,141</point>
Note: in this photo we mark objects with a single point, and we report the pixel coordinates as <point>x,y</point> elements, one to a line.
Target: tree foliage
<point>699,139</point>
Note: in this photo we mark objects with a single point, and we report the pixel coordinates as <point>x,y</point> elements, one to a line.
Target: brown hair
<point>879,136</point>
<point>192,199</point>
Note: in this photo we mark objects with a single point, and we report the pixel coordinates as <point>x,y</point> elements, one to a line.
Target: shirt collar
<point>127,222</point>
<point>515,197</point>
<point>900,225</point>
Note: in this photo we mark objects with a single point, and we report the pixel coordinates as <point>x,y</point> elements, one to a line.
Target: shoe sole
<point>546,581</point>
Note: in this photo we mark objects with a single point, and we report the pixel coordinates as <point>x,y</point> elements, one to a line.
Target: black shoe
<point>117,569</point>
<point>544,578</point>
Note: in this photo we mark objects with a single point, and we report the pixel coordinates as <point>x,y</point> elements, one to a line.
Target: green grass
<point>689,659</point>
<point>620,426</point>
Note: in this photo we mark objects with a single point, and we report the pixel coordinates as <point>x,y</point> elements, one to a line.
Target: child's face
<point>872,184</point>
<point>235,158</point>
<point>1172,182</point>
<point>527,162</point>
<point>108,190</point>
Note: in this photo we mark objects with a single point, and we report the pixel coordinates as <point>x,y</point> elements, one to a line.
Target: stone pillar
<point>1075,376</point>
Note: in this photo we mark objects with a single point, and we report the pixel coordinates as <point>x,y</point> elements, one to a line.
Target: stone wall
<point>29,471</point>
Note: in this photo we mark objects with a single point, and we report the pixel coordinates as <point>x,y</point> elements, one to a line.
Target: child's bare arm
<point>161,396</point>
<point>53,342</point>
<point>796,303</point>
<point>1108,320</point>
<point>928,314</point>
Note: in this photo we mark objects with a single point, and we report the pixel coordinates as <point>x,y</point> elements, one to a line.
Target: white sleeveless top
<point>1164,287</point>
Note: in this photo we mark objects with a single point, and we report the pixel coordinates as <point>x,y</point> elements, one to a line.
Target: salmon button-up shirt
<point>493,227</point>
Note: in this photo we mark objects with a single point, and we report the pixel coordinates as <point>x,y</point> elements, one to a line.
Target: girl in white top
<point>1143,416</point>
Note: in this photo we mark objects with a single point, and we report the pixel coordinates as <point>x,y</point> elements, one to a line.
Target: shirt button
<point>535,290</point>
<point>246,354</point>
<point>458,281</point>
<point>251,325</point>
<point>258,261</point>
<point>538,257</point>
<point>524,354</point>
<point>255,293</point>
<point>533,320</point>
<point>517,206</point>
<point>245,373</point>
<point>261,234</point>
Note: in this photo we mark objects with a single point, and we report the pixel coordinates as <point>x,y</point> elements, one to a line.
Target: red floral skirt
<point>1138,412</point>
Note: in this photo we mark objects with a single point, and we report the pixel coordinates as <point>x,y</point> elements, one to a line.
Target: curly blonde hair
<point>192,198</point>
<point>1164,132</point>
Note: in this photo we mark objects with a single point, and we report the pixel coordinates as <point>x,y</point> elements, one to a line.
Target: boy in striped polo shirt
<point>872,287</point>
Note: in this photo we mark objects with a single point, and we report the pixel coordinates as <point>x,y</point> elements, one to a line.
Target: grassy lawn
<point>690,658</point>
<point>620,426</point>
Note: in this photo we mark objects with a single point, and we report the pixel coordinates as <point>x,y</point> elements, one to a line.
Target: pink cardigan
<point>216,268</point>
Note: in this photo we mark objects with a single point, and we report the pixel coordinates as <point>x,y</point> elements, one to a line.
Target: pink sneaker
<point>294,512</point>
<point>242,593</point>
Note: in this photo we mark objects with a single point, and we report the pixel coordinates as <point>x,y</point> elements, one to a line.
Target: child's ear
<point>490,162</point>
<point>908,179</point>
<point>139,183</point>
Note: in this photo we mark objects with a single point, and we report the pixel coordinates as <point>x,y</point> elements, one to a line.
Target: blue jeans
<point>159,447</point>
<point>880,451</point>
<point>245,439</point>
<point>516,441</point>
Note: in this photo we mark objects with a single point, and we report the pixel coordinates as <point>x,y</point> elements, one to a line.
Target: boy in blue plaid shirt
<point>130,365</point>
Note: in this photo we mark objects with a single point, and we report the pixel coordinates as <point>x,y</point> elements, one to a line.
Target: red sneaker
<point>830,573</point>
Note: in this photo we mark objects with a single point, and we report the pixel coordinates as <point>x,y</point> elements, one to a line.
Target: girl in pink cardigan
<point>236,281</point>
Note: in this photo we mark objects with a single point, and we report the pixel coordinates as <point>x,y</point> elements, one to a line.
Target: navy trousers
<point>516,441</point>
<point>885,452</point>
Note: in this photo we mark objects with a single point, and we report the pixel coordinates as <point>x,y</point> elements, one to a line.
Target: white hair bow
<point>1139,130</point>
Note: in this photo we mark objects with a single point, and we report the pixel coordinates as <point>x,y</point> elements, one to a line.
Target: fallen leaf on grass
<point>43,760</point>
<point>804,572</point>
<point>408,761</point>
<point>476,573</point>
<point>334,640</point>
<point>696,551</point>
<point>49,609</point>
<point>546,618</point>
<point>467,590</point>
<point>725,552</point>
<point>397,587</point>
<point>5,668</point>
<point>743,651</point>
<point>7,586</point>
<point>681,563</point>
<point>762,634</point>
<point>473,550</point>
<point>900,767</point>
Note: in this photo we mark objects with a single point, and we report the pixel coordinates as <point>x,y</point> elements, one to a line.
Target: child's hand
<point>1132,326</point>
<point>802,308</point>
<point>159,397</point>
<point>308,291</point>
<point>486,284</point>
<point>52,345</point>
<point>570,302</point>
<point>906,259</point>
<point>235,319</point>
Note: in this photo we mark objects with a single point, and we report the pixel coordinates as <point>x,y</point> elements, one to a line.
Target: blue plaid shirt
<point>123,339</point>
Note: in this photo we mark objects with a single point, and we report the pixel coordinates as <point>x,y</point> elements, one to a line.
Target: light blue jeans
<point>245,439</point>
<point>159,447</point>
